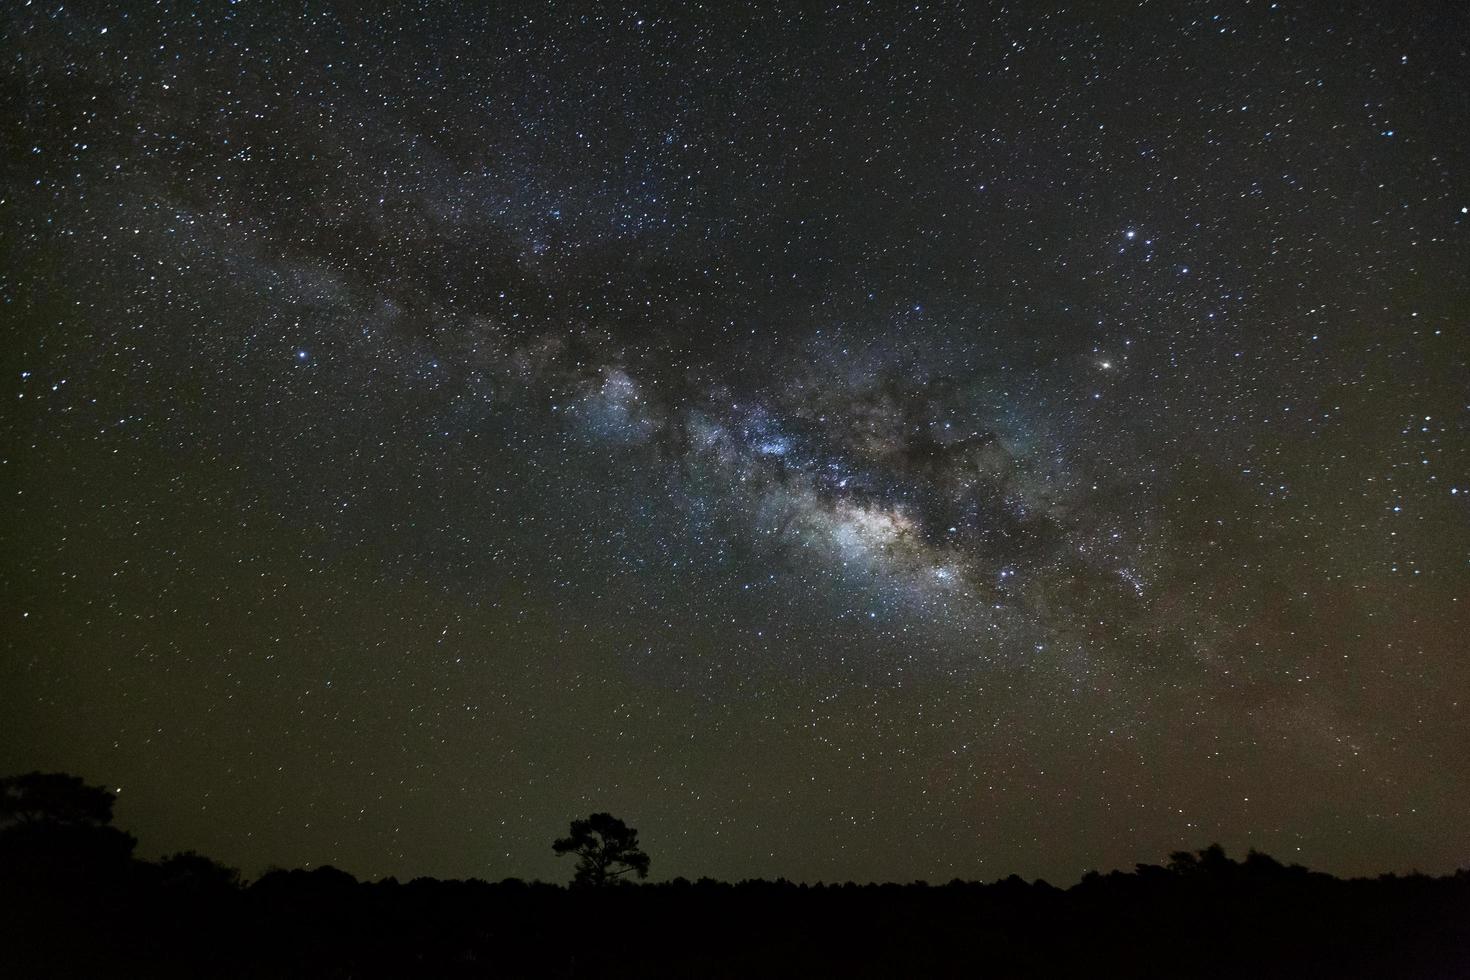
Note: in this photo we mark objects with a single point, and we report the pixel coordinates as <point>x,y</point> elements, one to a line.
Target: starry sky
<point>847,442</point>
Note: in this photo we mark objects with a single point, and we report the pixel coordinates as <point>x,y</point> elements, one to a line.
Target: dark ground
<point>1202,916</point>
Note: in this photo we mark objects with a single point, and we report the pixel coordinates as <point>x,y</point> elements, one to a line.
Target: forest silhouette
<point>75,901</point>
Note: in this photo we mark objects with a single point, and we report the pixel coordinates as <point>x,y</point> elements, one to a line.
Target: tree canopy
<point>55,828</point>
<point>53,798</point>
<point>607,850</point>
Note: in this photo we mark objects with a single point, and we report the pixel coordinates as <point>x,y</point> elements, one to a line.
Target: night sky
<point>862,442</point>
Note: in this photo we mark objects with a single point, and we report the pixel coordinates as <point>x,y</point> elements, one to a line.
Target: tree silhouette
<point>54,828</point>
<point>194,873</point>
<point>1208,861</point>
<point>53,798</point>
<point>606,849</point>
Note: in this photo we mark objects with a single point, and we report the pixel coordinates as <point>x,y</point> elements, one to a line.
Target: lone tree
<point>606,849</point>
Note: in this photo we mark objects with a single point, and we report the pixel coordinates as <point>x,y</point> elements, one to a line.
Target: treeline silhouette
<point>75,902</point>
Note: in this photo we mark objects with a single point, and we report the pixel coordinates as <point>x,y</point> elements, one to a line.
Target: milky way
<point>952,441</point>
